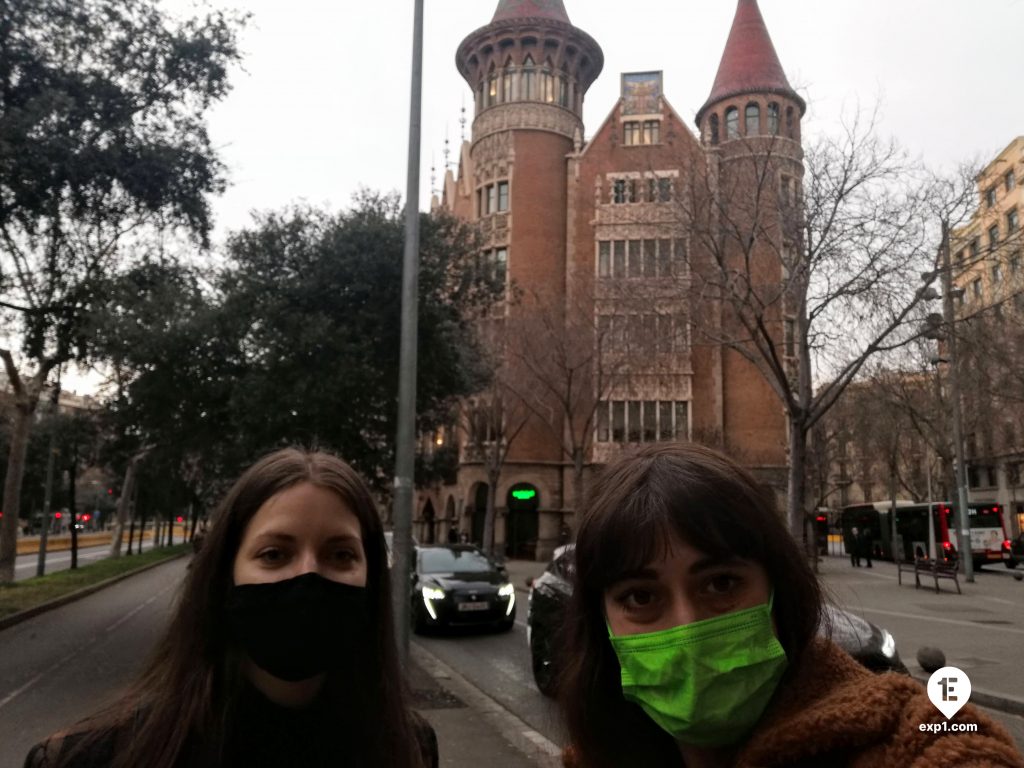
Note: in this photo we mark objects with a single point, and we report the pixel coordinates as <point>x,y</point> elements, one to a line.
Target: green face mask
<point>705,683</point>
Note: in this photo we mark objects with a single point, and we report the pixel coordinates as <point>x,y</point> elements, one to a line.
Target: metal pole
<point>405,442</point>
<point>963,522</point>
<point>48,488</point>
<point>931,506</point>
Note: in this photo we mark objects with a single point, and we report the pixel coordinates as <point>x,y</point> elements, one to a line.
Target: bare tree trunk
<point>122,507</point>
<point>797,483</point>
<point>12,490</point>
<point>73,507</point>
<point>492,492</point>
<point>577,484</point>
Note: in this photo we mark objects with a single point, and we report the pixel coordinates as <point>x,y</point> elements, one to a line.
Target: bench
<point>937,569</point>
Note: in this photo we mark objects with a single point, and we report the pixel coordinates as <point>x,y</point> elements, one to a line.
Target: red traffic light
<point>86,517</point>
<point>110,491</point>
<point>180,519</point>
<point>821,518</point>
<point>57,515</point>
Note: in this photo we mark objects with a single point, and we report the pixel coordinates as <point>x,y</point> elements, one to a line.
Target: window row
<point>663,257</point>
<point>635,132</point>
<point>974,247</point>
<point>977,286</point>
<point>492,198</point>
<point>526,83</point>
<point>648,190</point>
<point>1009,183</point>
<point>752,122</point>
<point>642,421</point>
<point>645,334</point>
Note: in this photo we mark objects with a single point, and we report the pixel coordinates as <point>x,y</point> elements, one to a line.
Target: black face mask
<point>298,628</point>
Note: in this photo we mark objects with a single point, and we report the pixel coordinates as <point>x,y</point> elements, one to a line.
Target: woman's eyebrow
<point>634,573</point>
<point>707,563</point>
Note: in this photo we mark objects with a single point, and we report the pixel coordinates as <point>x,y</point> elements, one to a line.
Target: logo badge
<point>949,689</point>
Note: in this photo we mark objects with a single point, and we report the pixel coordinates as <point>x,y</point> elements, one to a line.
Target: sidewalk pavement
<point>472,728</point>
<point>980,631</point>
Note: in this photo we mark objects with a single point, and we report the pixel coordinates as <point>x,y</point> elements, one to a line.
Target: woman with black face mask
<point>281,651</point>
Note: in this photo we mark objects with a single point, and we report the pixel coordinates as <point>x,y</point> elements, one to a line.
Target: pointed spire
<point>749,63</point>
<point>531,9</point>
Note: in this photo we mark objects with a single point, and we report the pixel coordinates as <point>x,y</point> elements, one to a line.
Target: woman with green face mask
<point>693,638</point>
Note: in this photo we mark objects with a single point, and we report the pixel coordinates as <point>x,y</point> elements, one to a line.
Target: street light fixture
<point>940,328</point>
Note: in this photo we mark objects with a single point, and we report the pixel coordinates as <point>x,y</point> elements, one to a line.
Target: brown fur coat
<point>834,712</point>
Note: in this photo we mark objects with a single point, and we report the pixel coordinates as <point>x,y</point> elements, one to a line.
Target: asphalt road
<point>498,663</point>
<point>25,565</point>
<point>61,665</point>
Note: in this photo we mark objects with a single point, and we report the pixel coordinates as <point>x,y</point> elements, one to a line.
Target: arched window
<point>790,132</point>
<point>528,83</point>
<point>480,96</point>
<point>547,80</point>
<point>773,119</point>
<point>492,87</point>
<point>713,124</point>
<point>753,123</point>
<point>506,82</point>
<point>732,123</point>
<point>563,91</point>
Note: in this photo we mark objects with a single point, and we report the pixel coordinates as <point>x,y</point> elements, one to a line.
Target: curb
<point>535,746</point>
<point>983,698</point>
<point>70,597</point>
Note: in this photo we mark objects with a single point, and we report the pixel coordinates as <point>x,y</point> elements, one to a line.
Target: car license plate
<point>473,606</point>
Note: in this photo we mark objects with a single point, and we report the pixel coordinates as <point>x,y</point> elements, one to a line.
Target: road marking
<point>14,694</point>
<point>955,622</point>
<point>55,560</point>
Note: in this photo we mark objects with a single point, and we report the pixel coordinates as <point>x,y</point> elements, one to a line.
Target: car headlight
<point>506,590</point>
<point>888,644</point>
<point>433,593</point>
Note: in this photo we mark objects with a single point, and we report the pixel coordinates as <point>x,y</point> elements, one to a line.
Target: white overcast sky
<point>321,104</point>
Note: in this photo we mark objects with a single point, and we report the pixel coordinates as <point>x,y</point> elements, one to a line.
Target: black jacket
<point>267,736</point>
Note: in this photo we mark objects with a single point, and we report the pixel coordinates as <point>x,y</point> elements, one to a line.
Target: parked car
<point>871,645</point>
<point>457,584</point>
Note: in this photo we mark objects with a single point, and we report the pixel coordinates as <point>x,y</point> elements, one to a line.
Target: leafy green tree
<point>102,136</point>
<point>317,299</point>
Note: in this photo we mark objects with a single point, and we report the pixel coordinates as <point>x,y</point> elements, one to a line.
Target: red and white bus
<point>989,542</point>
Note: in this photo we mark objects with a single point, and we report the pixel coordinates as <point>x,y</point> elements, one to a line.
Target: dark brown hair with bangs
<point>182,708</point>
<point>637,502</point>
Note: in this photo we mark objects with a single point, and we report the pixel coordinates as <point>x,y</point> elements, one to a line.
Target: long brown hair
<point>636,504</point>
<point>181,707</point>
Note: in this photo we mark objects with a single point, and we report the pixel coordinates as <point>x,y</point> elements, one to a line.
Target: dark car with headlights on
<point>869,644</point>
<point>457,584</point>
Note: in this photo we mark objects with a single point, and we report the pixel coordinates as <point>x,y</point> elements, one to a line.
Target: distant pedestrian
<point>453,535</point>
<point>865,545</point>
<point>853,546</point>
<point>464,537</point>
<point>281,651</point>
<point>692,638</point>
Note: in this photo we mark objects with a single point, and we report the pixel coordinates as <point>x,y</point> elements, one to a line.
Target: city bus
<point>989,542</point>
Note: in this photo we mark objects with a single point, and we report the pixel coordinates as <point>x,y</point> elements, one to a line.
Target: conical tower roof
<point>531,9</point>
<point>749,63</point>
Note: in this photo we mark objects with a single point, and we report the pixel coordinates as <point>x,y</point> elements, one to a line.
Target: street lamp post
<point>948,333</point>
<point>405,443</point>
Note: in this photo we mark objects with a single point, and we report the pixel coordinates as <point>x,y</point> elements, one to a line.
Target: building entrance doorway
<point>479,513</point>
<point>522,522</point>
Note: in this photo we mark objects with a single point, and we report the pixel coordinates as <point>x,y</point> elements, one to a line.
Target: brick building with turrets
<point>597,240</point>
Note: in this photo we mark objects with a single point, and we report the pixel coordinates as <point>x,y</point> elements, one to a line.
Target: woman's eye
<point>723,584</point>
<point>345,556</point>
<point>636,599</point>
<point>270,556</point>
